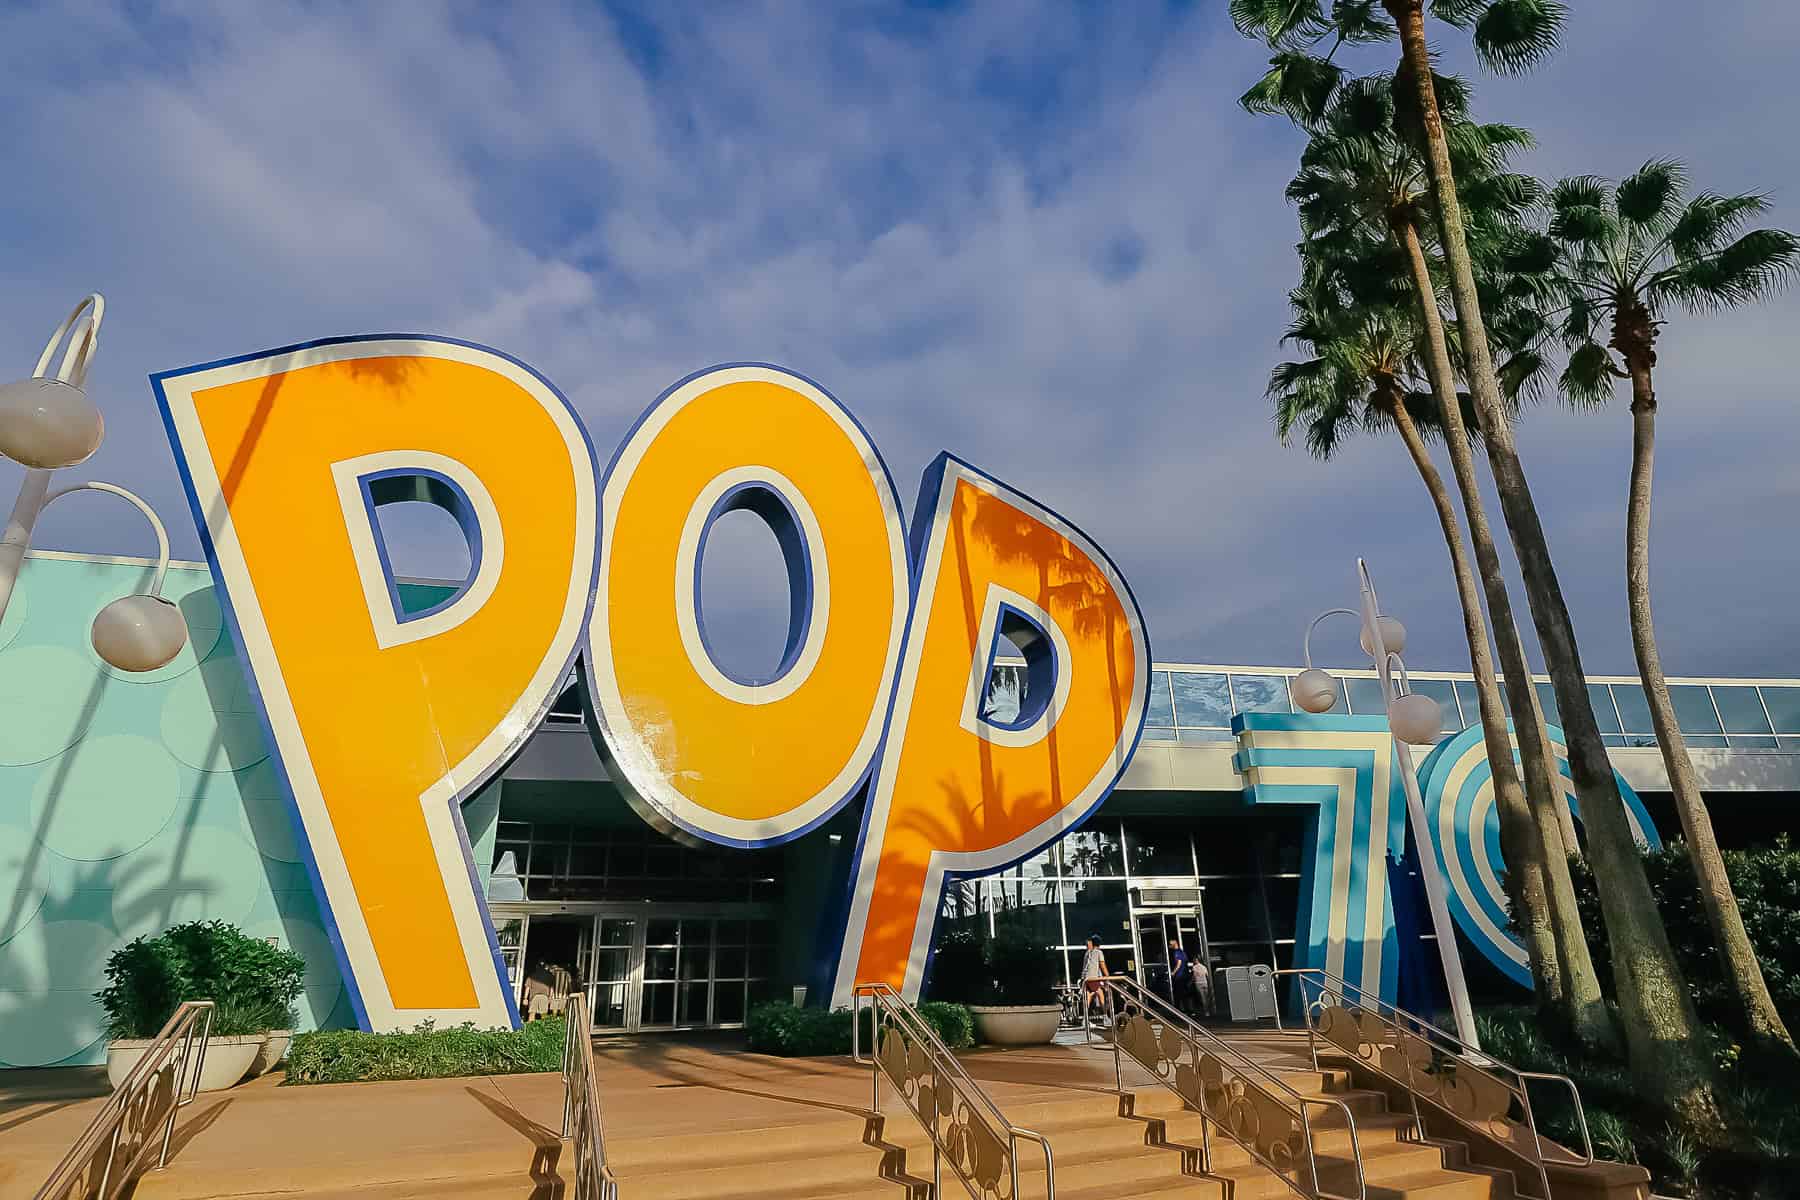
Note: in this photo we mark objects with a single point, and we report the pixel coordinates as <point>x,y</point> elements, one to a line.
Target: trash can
<point>800,996</point>
<point>1262,992</point>
<point>1237,993</point>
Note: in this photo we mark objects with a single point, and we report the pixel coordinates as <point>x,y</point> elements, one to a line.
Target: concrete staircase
<point>1106,1147</point>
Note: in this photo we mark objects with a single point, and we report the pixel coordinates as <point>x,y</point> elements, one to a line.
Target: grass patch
<point>352,1056</point>
<point>1760,1159</point>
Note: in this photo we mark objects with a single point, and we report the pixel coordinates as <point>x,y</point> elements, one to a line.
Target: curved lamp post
<point>1414,719</point>
<point>48,423</point>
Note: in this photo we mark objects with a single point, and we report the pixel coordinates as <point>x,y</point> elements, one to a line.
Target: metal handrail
<point>975,1162</point>
<point>1235,1113</point>
<point>1441,1045</point>
<point>112,1150</point>
<point>582,1125</point>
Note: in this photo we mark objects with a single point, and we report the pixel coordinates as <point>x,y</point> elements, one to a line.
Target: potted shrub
<point>1019,1005</point>
<point>252,984</point>
<point>959,967</point>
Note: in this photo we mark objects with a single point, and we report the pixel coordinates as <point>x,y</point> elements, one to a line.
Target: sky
<point>1041,236</point>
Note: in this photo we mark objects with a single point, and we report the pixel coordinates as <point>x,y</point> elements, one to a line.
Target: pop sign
<point>383,719</point>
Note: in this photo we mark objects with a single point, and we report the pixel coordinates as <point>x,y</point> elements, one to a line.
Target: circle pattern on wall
<point>38,1025</point>
<point>27,871</point>
<point>77,806</point>
<point>46,697</point>
<point>189,873</point>
<point>1458,787</point>
<point>208,720</point>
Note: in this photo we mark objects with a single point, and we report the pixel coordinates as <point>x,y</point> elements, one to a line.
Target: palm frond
<point>1515,35</point>
<point>1757,264</point>
<point>1460,13</point>
<point>1579,212</point>
<point>1647,198</point>
<point>1297,85</point>
<point>1281,23</point>
<point>1587,378</point>
<point>1361,22</point>
<point>1709,219</point>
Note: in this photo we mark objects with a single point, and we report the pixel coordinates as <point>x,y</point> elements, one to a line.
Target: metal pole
<point>1441,925</point>
<point>17,537</point>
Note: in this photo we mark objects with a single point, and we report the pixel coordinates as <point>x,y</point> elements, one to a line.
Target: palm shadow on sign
<point>391,371</point>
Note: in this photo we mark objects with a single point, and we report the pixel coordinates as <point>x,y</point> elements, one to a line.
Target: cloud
<point>1040,237</point>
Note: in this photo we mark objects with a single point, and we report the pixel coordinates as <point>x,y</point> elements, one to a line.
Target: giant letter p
<point>384,715</point>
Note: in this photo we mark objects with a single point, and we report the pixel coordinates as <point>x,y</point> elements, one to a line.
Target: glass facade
<point>1100,880</point>
<point>1195,706</point>
<point>536,861</point>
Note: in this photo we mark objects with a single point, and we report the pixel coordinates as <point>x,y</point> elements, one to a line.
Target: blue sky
<point>1039,235</point>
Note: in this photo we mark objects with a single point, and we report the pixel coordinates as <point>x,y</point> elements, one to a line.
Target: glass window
<point>1284,905</point>
<point>1634,710</point>
<point>1704,741</point>
<point>1201,699</point>
<point>1742,711</point>
<point>1162,707</point>
<point>1234,911</point>
<point>1600,700</point>
<point>1546,695</point>
<point>1365,697</point>
<point>1752,741</point>
<point>1444,693</point>
<point>1153,733</point>
<point>1044,862</point>
<point>1784,706</point>
<point>1094,851</point>
<point>1225,847</point>
<point>1694,711</point>
<point>1095,906</point>
<point>1261,693</point>
<point>1153,848</point>
<point>1035,911</point>
<point>1202,737</point>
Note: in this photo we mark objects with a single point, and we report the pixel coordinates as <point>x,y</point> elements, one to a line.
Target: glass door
<point>617,973</point>
<point>1150,936</point>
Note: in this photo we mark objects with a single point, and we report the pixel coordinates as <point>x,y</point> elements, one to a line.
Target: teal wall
<point>129,803</point>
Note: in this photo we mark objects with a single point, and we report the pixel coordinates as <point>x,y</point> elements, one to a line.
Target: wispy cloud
<point>1037,234</point>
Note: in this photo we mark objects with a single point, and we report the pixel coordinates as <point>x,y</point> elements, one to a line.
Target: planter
<point>273,1050</point>
<point>227,1059</point>
<point>1016,1025</point>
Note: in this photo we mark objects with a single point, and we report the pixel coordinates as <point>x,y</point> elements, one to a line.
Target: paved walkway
<point>261,1137</point>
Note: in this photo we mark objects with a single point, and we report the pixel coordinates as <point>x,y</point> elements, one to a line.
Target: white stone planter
<point>1016,1025</point>
<point>274,1049</point>
<point>227,1059</point>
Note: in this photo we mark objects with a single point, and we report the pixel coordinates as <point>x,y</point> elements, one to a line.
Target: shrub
<point>782,1029</point>
<point>959,973</point>
<point>252,983</point>
<point>1766,881</point>
<point>353,1056</point>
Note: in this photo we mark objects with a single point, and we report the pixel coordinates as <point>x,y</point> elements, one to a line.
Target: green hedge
<point>252,984</point>
<point>352,1056</point>
<point>1766,881</point>
<point>780,1028</point>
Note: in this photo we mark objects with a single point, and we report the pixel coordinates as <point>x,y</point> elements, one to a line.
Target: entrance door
<point>1157,932</point>
<point>615,980</point>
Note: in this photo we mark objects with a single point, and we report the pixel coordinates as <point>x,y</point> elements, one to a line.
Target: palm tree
<point>1360,181</point>
<point>1626,257</point>
<point>1666,1054</point>
<point>1368,372</point>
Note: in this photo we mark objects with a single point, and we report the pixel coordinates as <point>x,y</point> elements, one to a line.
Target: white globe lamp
<point>1313,690</point>
<point>139,633</point>
<point>48,424</point>
<point>1393,637</point>
<point>1415,719</point>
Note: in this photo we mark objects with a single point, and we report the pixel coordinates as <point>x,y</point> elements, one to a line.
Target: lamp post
<point>1414,720</point>
<point>47,423</point>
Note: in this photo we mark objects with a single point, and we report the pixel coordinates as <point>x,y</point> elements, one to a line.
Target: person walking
<point>1181,980</point>
<point>1093,974</point>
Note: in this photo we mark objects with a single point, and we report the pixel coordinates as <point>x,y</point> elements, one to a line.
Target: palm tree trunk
<point>1737,957</point>
<point>1583,1007</point>
<point>1524,856</point>
<point>1565,820</point>
<point>1667,1058</point>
